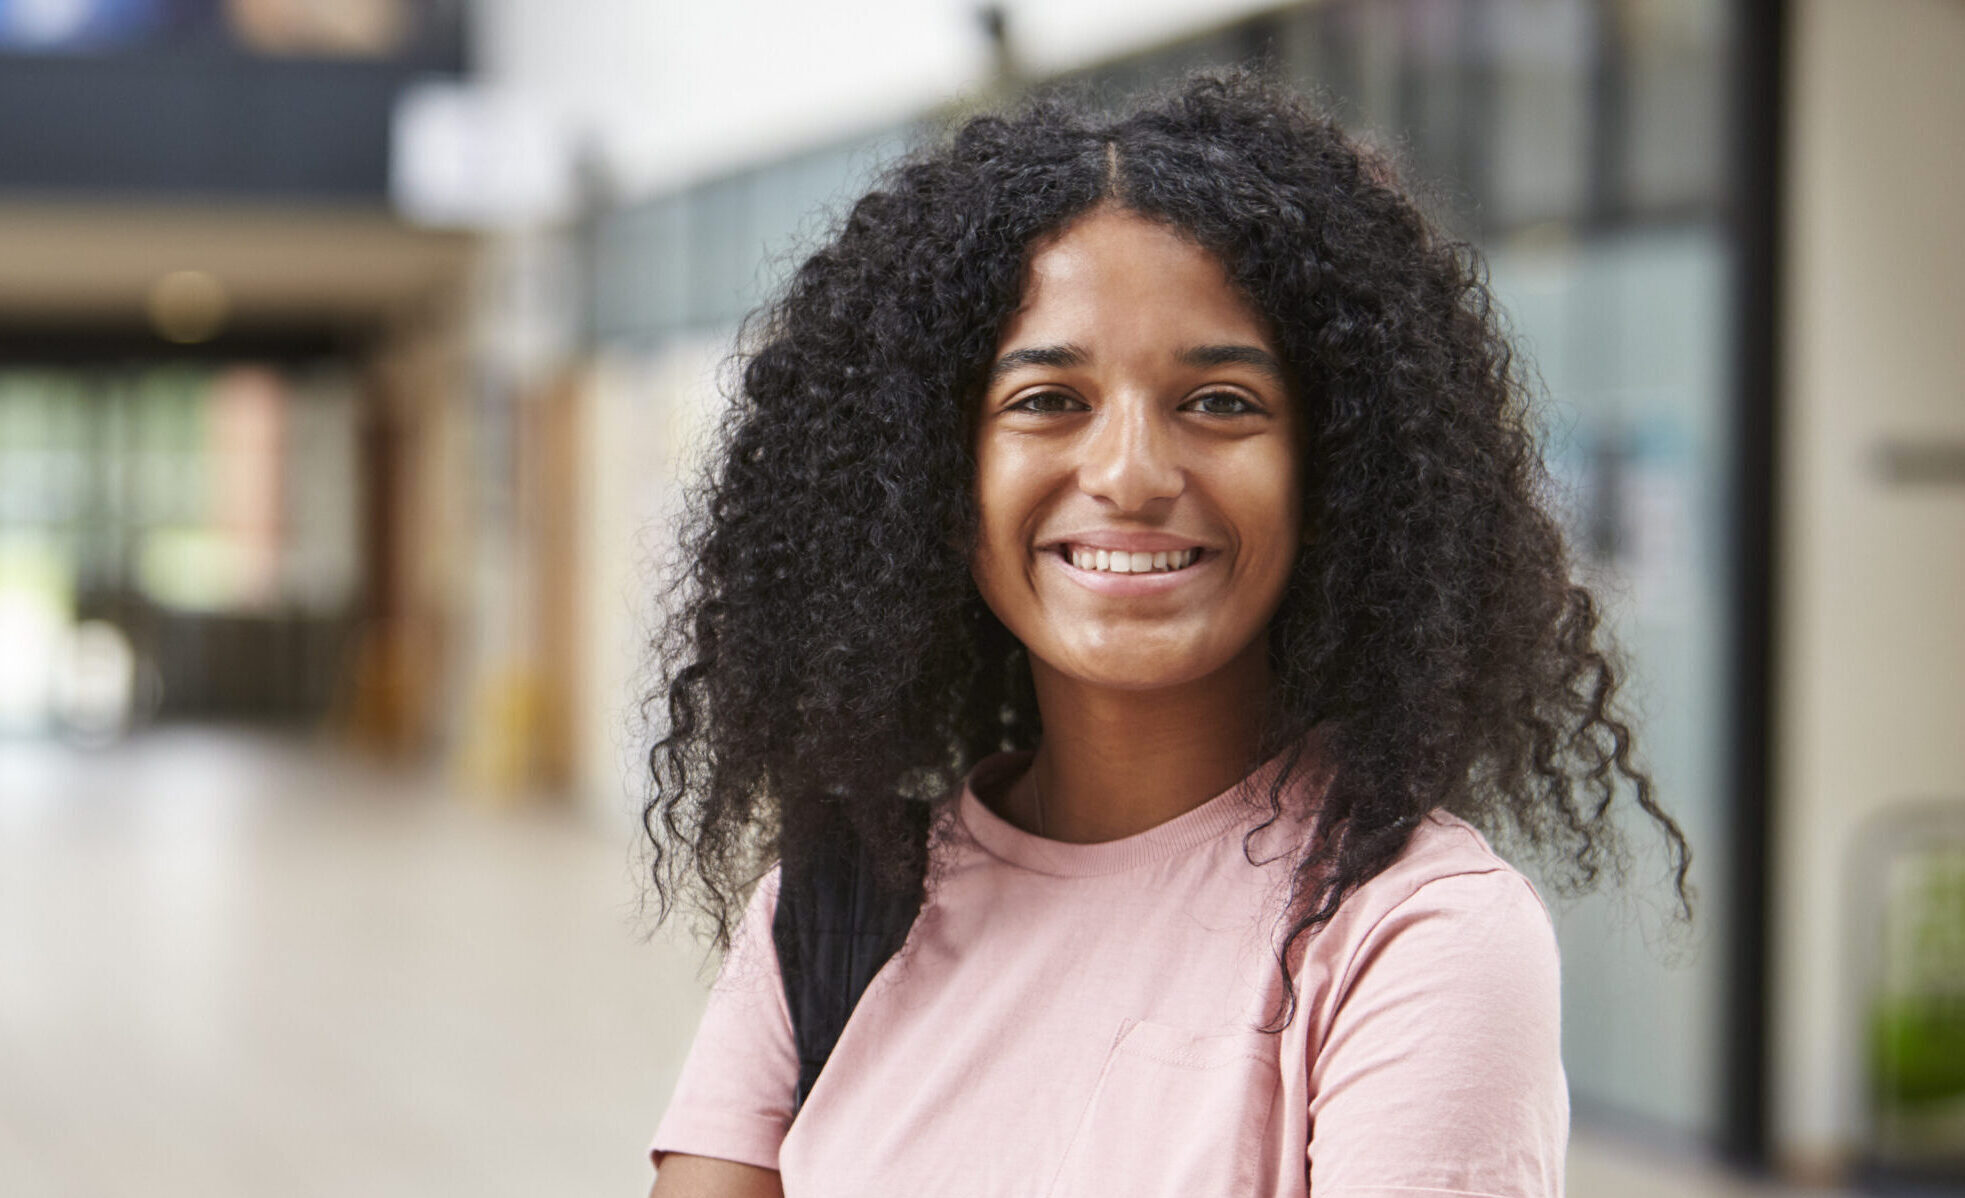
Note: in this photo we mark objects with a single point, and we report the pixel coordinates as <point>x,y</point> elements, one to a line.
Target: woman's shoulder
<point>1450,879</point>
<point>1444,845</point>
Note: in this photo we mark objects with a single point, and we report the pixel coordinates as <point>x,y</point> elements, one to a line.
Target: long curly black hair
<point>828,662</point>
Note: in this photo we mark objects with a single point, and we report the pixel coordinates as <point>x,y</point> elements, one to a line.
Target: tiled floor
<point>235,965</point>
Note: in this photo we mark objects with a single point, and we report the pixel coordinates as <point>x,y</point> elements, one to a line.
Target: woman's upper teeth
<point>1119,561</point>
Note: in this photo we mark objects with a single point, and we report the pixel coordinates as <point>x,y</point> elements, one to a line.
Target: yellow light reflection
<point>187,306</point>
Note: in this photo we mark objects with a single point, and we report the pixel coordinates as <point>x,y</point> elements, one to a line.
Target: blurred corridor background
<point>352,353</point>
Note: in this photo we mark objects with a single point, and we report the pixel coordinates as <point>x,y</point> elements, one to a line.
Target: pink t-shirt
<point>1079,1019</point>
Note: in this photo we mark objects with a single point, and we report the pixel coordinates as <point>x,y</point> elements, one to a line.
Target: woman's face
<point>1136,462</point>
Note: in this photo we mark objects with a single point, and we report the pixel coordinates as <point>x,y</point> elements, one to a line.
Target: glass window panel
<point>1538,166</point>
<point>1628,331</point>
<point>1675,104</point>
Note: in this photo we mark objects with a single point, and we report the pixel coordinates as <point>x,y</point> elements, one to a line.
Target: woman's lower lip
<point>1105,582</point>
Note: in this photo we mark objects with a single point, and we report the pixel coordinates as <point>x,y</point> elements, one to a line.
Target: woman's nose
<point>1131,458</point>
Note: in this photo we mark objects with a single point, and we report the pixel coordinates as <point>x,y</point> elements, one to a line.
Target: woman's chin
<point>1134,672</point>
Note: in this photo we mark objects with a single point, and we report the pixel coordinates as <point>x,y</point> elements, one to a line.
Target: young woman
<point>1128,536</point>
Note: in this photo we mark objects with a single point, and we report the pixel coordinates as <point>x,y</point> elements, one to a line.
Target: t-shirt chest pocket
<point>1175,1112</point>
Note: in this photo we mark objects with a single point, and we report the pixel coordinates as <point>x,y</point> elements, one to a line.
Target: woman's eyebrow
<point>1057,357</point>
<point>1237,355</point>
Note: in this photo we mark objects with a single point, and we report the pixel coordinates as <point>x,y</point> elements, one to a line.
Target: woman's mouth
<point>1120,561</point>
<point>1118,573</point>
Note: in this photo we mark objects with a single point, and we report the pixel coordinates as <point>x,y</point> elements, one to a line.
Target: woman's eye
<point>1044,401</point>
<point>1244,404</point>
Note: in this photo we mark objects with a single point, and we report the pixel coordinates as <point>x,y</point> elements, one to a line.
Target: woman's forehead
<point>1112,276</point>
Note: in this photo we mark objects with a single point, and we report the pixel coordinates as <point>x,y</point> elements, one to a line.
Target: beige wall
<point>1870,698</point>
<point>649,419</point>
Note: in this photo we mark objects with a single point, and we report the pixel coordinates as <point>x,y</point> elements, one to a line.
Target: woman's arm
<point>733,1099</point>
<point>686,1176</point>
<point>1442,1068</point>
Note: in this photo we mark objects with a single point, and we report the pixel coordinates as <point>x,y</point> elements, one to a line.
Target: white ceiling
<point>669,91</point>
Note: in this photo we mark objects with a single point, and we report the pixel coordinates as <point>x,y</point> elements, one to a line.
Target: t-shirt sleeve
<point>1441,1072</point>
<point>733,1099</point>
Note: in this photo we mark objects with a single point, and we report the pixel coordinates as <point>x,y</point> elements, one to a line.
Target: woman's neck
<point>1117,762</point>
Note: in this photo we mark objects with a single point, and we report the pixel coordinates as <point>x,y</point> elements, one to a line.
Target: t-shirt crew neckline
<point>1231,808</point>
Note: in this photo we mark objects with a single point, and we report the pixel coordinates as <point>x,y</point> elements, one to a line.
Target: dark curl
<point>829,661</point>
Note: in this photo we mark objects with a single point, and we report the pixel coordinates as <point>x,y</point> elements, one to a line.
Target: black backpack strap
<point>834,928</point>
